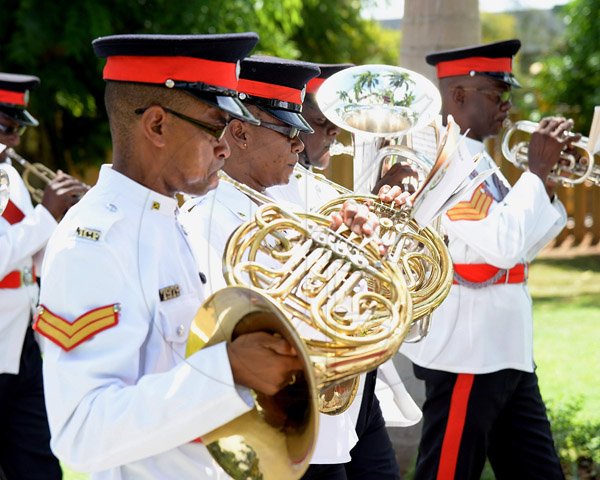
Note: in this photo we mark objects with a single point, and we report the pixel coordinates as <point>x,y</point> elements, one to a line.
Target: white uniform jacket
<point>209,221</point>
<point>125,403</point>
<point>304,191</point>
<point>483,330</point>
<point>20,243</point>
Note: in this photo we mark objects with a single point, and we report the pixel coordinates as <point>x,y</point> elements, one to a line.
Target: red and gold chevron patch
<point>68,335</point>
<point>476,208</point>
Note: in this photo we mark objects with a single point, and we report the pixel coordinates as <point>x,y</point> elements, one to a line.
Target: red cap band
<point>15,98</point>
<point>313,85</point>
<point>268,90</point>
<point>464,66</point>
<point>157,70</point>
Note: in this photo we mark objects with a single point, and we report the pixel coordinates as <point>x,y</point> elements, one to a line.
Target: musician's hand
<point>356,217</point>
<point>394,194</point>
<point>547,143</point>
<point>62,193</point>
<point>263,362</point>
<point>401,175</point>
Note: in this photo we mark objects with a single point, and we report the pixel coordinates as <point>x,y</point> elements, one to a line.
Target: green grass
<point>566,305</point>
<point>566,312</point>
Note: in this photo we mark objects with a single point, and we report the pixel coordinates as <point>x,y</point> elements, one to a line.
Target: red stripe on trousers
<point>455,426</point>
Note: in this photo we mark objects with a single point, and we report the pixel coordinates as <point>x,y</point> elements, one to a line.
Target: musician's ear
<point>238,133</point>
<point>153,125</point>
<point>458,95</point>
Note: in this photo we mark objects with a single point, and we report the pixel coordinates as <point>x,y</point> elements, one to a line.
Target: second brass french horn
<point>381,105</point>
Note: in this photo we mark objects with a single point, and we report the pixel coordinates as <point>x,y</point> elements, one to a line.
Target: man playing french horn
<point>482,395</point>
<point>265,156</point>
<point>24,231</point>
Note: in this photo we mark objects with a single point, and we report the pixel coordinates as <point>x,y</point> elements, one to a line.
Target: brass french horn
<point>290,274</point>
<point>382,106</point>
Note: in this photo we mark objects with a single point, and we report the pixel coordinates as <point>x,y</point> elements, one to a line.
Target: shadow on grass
<point>580,301</point>
<point>590,262</point>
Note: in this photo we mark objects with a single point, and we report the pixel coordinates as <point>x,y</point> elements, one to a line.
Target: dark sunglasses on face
<point>18,129</point>
<point>289,132</point>
<point>503,96</point>
<point>215,132</point>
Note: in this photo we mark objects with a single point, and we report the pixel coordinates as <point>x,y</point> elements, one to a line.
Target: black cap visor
<point>19,115</point>
<point>290,118</point>
<point>232,105</point>
<point>507,78</point>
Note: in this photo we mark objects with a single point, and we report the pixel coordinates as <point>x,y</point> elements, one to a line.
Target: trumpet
<point>35,175</point>
<point>570,170</point>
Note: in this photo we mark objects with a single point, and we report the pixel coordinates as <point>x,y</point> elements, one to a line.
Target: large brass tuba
<point>571,169</point>
<point>299,278</point>
<point>384,106</point>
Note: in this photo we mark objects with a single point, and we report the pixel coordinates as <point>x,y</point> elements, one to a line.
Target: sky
<point>395,8</point>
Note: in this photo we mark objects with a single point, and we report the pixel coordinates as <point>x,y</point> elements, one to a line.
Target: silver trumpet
<point>571,169</point>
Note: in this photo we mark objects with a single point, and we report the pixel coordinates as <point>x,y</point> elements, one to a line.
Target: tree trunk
<point>432,25</point>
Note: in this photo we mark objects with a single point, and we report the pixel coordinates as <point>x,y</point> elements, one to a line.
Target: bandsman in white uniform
<point>123,286</point>
<point>261,158</point>
<point>24,231</point>
<point>482,395</point>
<point>373,456</point>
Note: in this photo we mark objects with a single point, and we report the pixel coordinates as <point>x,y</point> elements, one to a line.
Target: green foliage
<point>577,443</point>
<point>53,41</point>
<point>568,81</point>
<point>334,32</point>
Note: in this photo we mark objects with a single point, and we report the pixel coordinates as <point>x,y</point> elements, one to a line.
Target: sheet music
<point>447,181</point>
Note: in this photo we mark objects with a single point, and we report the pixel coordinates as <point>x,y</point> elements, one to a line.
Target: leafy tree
<point>568,81</point>
<point>52,40</point>
<point>335,32</point>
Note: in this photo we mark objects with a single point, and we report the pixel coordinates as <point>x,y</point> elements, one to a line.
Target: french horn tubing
<point>288,273</point>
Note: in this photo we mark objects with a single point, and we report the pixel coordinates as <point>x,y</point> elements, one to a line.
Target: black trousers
<point>373,456</point>
<point>499,415</point>
<point>24,434</point>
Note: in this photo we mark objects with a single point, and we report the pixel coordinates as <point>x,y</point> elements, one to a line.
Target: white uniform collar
<point>137,194</point>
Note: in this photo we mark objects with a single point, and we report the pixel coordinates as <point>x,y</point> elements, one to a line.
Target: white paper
<point>446,182</point>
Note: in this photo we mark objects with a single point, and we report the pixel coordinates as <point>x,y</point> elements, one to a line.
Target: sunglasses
<point>289,132</point>
<point>6,130</point>
<point>498,96</point>
<point>215,132</point>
